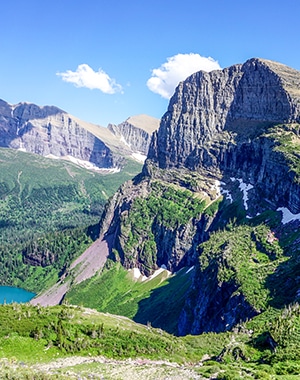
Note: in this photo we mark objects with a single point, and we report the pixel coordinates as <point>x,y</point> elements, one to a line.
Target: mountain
<point>203,243</point>
<point>219,193</point>
<point>51,132</point>
<point>136,132</point>
<point>221,125</point>
<point>50,208</point>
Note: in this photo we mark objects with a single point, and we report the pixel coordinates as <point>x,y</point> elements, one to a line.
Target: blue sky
<point>54,52</point>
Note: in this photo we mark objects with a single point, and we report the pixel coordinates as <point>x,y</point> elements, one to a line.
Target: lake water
<point>9,294</point>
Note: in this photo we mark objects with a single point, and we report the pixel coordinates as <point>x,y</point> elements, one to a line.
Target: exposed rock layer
<point>49,131</point>
<point>136,132</point>
<point>217,121</point>
<point>239,99</point>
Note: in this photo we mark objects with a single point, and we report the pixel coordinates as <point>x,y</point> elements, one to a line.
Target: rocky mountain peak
<point>222,105</point>
<point>28,111</point>
<point>136,132</point>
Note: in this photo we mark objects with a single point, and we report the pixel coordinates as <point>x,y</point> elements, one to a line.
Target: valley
<point>186,266</point>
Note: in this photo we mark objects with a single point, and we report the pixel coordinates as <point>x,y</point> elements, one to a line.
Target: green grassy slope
<point>36,335</point>
<point>47,208</point>
<point>157,301</point>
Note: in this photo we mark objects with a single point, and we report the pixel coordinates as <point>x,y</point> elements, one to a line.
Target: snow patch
<point>217,187</point>
<point>85,164</point>
<point>136,273</point>
<point>227,194</point>
<point>157,272</point>
<point>124,141</point>
<point>53,157</point>
<point>287,215</point>
<point>139,157</point>
<point>189,270</point>
<point>22,148</point>
<point>244,188</point>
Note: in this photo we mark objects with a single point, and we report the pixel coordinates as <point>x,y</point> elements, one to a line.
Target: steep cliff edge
<point>221,122</point>
<point>224,105</point>
<point>227,149</point>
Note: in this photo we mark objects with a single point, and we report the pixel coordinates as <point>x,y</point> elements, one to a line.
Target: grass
<point>157,301</point>
<point>34,335</point>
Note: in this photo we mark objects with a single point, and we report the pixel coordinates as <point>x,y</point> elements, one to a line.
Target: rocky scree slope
<point>227,149</point>
<point>51,132</point>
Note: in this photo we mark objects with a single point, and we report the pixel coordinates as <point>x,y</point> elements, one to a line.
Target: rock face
<point>218,121</point>
<point>236,126</point>
<point>255,94</point>
<point>49,131</point>
<point>136,132</point>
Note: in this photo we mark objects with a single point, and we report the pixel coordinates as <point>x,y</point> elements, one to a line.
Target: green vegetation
<point>157,301</point>
<point>35,335</point>
<point>243,255</point>
<point>260,256</point>
<point>47,208</point>
<point>166,206</point>
<point>287,139</point>
<point>30,333</point>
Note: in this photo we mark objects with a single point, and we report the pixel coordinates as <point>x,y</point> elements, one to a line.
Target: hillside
<point>202,244</point>
<point>67,342</point>
<point>49,211</point>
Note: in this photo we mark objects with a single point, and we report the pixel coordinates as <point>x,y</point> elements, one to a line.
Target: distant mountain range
<point>52,132</point>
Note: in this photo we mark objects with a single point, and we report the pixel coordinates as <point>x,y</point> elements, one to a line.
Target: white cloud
<point>85,76</point>
<point>177,68</point>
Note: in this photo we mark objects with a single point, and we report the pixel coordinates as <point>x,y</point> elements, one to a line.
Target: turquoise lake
<point>9,294</point>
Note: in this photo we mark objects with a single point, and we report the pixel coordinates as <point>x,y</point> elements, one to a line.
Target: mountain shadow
<point>162,309</point>
<point>284,283</point>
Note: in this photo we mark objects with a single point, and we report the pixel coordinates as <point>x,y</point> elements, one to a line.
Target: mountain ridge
<point>52,132</point>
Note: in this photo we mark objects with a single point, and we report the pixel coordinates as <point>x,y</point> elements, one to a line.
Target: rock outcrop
<point>218,121</point>
<point>236,102</point>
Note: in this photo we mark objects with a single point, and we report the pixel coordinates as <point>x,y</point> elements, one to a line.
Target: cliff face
<point>136,132</point>
<point>220,121</point>
<point>230,135</point>
<point>209,107</point>
<point>49,131</point>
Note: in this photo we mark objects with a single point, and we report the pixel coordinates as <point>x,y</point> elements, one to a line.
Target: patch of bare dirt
<point>84,267</point>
